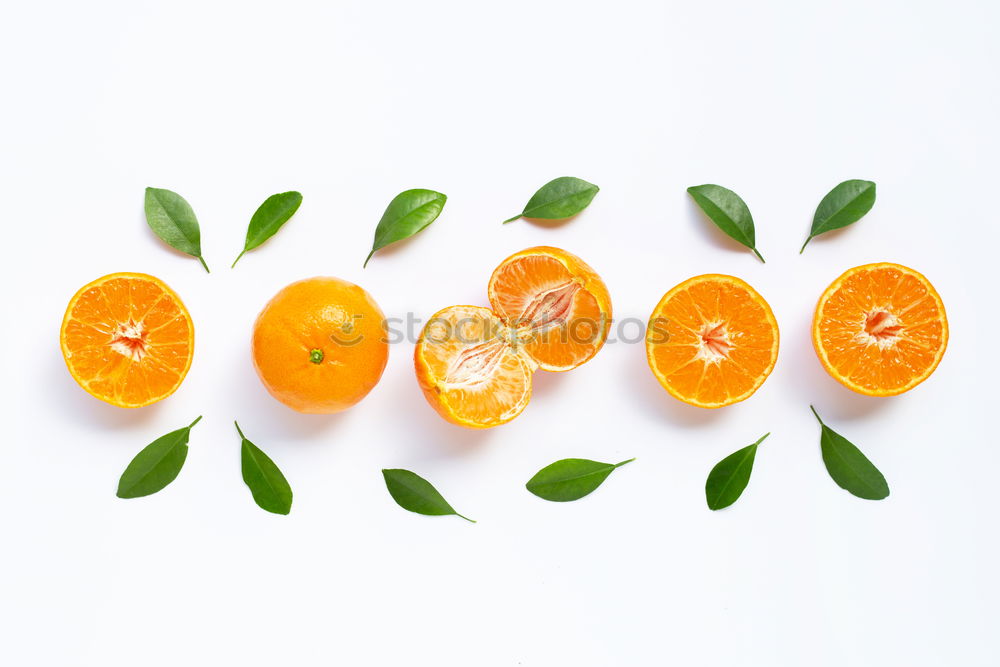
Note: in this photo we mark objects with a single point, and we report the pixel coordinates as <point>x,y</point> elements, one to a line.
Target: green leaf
<point>156,465</point>
<point>570,479</point>
<point>729,213</point>
<point>558,199</point>
<point>408,213</point>
<point>173,220</point>
<point>730,476</point>
<point>844,205</point>
<point>849,468</point>
<point>269,487</point>
<point>268,219</point>
<point>414,493</point>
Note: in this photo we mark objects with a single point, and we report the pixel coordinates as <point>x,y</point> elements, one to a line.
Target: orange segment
<point>880,329</point>
<point>468,370</point>
<point>712,341</point>
<point>127,339</point>
<point>559,307</point>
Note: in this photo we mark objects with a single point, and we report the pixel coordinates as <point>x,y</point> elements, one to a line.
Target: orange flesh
<point>558,306</point>
<point>470,369</point>
<point>127,339</point>
<point>712,341</point>
<point>880,329</point>
<point>550,311</point>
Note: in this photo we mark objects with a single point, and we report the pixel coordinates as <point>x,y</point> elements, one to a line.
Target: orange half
<point>469,371</point>
<point>880,329</point>
<point>549,310</point>
<point>712,341</point>
<point>557,307</point>
<point>127,339</point>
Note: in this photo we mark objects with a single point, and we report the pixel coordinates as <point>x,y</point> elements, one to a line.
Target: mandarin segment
<point>712,341</point>
<point>127,339</point>
<point>880,329</point>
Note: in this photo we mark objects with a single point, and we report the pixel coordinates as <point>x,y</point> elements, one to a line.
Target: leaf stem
<point>195,421</point>
<point>619,465</point>
<point>512,219</point>
<point>762,438</point>
<point>805,244</point>
<point>465,517</point>
<point>238,258</point>
<point>365,265</point>
<point>758,255</point>
<point>202,260</point>
<point>817,416</point>
<point>238,430</point>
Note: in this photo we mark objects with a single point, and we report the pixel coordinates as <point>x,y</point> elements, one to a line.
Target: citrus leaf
<point>414,493</point>
<point>558,199</point>
<point>408,213</point>
<point>156,465</point>
<point>570,479</point>
<point>849,468</point>
<point>730,476</point>
<point>729,213</point>
<point>269,487</point>
<point>844,205</point>
<point>173,220</point>
<point>268,219</point>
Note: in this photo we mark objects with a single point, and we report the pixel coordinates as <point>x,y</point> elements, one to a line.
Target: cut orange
<point>880,329</point>
<point>127,339</point>
<point>712,341</point>
<point>549,310</point>
<point>468,369</point>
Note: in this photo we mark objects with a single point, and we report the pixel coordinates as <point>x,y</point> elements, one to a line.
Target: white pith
<point>129,340</point>
<point>476,364</point>
<point>715,343</point>
<point>879,327</point>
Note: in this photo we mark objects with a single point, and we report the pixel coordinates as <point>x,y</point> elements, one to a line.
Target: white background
<point>352,102</point>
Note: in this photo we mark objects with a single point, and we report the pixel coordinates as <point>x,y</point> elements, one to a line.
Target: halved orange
<point>469,371</point>
<point>712,341</point>
<point>880,329</point>
<point>549,310</point>
<point>127,339</point>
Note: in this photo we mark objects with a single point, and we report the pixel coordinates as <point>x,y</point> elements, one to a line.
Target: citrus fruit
<point>880,329</point>
<point>556,305</point>
<point>712,341</point>
<point>320,345</point>
<point>549,310</point>
<point>127,339</point>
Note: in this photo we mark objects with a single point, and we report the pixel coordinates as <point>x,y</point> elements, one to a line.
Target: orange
<point>320,345</point>
<point>880,329</point>
<point>127,339</point>
<point>549,310</point>
<point>712,341</point>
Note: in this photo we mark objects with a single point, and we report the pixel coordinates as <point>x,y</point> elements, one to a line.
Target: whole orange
<point>320,345</point>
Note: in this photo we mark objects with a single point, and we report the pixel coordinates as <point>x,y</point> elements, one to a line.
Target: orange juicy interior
<point>559,322</point>
<point>712,341</point>
<point>880,329</point>
<point>549,310</point>
<point>472,372</point>
<point>127,339</point>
